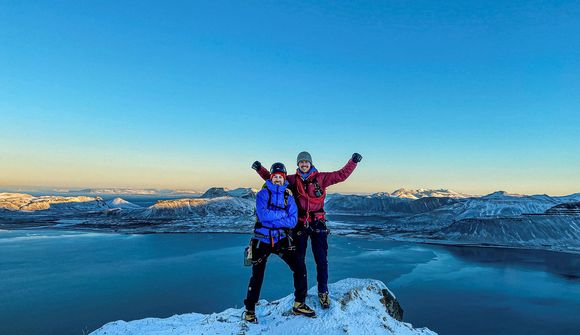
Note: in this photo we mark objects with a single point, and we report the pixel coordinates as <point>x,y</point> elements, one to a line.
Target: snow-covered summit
<point>27,202</point>
<point>503,195</point>
<point>359,306</point>
<point>121,203</point>
<point>423,193</point>
<point>216,206</point>
<point>216,192</point>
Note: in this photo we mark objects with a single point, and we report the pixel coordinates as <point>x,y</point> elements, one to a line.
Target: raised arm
<point>267,216</point>
<point>262,171</point>
<point>331,178</point>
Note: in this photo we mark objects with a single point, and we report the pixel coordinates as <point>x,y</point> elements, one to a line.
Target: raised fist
<point>257,165</point>
<point>356,157</point>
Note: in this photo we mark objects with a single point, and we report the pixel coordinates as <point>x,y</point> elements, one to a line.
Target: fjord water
<point>66,282</point>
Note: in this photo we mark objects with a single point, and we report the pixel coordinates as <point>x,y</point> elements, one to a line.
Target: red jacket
<point>304,191</point>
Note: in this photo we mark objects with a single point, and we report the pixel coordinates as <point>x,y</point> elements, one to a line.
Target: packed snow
<point>359,306</point>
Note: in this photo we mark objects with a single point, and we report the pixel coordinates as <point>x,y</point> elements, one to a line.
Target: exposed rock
<point>572,208</point>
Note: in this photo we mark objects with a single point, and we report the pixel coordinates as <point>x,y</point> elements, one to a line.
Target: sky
<point>474,96</point>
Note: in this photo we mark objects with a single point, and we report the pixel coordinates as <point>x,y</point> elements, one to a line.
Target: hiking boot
<point>250,316</point>
<point>301,308</point>
<point>324,300</point>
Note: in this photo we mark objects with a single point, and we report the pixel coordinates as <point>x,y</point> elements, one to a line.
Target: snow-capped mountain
<point>556,232</point>
<point>424,193</point>
<point>497,204</point>
<point>179,208</point>
<point>216,192</point>
<point>504,204</point>
<point>27,202</point>
<point>126,191</point>
<point>444,219</point>
<point>382,204</point>
<point>122,203</point>
<point>358,306</point>
<point>114,191</point>
<point>569,198</point>
<point>569,208</point>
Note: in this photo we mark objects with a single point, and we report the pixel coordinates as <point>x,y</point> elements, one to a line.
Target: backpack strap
<point>258,224</point>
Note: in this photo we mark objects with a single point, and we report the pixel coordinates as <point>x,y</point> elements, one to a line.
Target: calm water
<point>54,282</point>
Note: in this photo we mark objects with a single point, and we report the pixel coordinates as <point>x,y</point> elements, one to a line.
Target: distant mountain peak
<point>121,203</point>
<point>423,193</point>
<point>503,194</point>
<point>216,192</point>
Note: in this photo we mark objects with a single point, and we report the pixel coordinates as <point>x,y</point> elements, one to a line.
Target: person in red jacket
<point>309,189</point>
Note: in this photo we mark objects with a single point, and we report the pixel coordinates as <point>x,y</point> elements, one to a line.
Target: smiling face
<point>304,166</point>
<point>277,179</point>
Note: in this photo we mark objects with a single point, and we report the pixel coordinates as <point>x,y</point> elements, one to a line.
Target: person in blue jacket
<point>277,214</point>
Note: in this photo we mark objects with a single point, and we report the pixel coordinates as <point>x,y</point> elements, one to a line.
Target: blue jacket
<point>272,216</point>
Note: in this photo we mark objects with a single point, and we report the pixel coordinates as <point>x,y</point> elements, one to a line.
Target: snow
<point>423,193</point>
<point>356,308</point>
<point>121,203</point>
<point>216,192</point>
<point>27,202</point>
<point>500,219</point>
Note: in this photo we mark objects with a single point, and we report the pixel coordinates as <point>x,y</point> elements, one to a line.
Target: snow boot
<point>250,316</point>
<point>324,300</point>
<point>301,308</point>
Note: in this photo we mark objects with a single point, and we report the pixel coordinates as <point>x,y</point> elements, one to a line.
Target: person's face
<point>277,179</point>
<point>304,166</point>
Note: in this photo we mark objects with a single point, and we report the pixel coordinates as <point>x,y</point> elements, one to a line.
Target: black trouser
<point>318,234</point>
<point>260,253</point>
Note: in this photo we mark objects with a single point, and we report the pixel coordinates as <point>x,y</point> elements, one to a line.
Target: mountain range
<point>496,219</point>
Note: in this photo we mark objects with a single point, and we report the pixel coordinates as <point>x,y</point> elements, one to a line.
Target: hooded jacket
<point>273,215</point>
<point>305,191</point>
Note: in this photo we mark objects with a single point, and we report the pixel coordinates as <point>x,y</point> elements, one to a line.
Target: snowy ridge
<point>200,207</point>
<point>216,192</point>
<point>561,232</point>
<point>359,306</point>
<point>424,193</point>
<point>377,204</point>
<point>121,203</point>
<point>569,208</point>
<point>499,219</point>
<point>27,202</point>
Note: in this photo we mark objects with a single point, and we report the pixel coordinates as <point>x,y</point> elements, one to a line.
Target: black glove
<point>356,157</point>
<point>257,165</point>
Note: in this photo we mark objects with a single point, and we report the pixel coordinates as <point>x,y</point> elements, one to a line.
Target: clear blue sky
<point>474,96</point>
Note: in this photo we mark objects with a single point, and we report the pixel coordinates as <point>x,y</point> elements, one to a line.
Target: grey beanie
<point>303,156</point>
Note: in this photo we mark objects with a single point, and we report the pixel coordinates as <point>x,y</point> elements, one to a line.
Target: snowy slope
<point>121,203</point>
<point>569,208</point>
<point>569,198</point>
<point>200,207</point>
<point>27,202</point>
<point>424,193</point>
<point>382,204</point>
<point>216,192</point>
<point>497,204</point>
<point>358,307</point>
<point>556,232</point>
